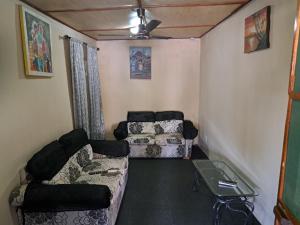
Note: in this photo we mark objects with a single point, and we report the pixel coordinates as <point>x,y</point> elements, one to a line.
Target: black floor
<point>159,192</point>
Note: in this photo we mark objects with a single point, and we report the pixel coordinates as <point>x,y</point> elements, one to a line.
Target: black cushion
<point>121,132</point>
<point>169,115</point>
<point>111,148</point>
<point>73,141</point>
<point>64,197</point>
<point>189,131</point>
<point>141,116</point>
<point>47,162</point>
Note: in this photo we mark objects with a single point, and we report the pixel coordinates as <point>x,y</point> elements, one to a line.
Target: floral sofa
<point>73,181</point>
<point>157,134</point>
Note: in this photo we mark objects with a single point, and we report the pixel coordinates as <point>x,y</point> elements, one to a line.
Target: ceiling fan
<point>143,29</point>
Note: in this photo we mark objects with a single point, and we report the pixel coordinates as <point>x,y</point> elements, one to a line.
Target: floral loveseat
<point>73,181</point>
<point>157,135</point>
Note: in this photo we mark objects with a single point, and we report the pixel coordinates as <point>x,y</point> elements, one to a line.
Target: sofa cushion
<point>47,162</point>
<point>169,115</point>
<point>136,139</point>
<point>73,141</point>
<point>140,128</point>
<point>168,126</point>
<point>71,171</point>
<point>105,164</point>
<point>140,116</point>
<point>169,139</point>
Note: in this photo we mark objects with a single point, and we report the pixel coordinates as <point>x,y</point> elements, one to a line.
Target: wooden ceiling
<point>111,19</point>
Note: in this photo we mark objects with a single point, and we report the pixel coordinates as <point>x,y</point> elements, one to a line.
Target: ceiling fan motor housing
<point>140,12</point>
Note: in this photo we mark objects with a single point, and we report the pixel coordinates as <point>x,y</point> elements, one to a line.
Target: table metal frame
<point>228,202</point>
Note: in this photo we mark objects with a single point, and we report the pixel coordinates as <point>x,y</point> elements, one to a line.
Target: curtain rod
<point>68,37</point>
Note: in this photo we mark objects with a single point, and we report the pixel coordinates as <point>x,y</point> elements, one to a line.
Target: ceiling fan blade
<point>152,25</point>
<point>159,37</point>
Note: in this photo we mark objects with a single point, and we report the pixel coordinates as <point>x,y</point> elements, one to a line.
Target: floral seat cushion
<point>170,139</point>
<point>140,128</point>
<point>168,126</point>
<point>106,163</point>
<point>136,139</point>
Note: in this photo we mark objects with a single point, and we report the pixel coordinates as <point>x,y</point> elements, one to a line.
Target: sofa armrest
<point>66,197</point>
<point>189,131</point>
<point>111,148</point>
<point>121,131</point>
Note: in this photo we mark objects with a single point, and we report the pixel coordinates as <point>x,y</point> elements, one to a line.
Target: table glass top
<point>214,171</point>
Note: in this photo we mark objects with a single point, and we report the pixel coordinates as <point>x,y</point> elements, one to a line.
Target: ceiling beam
<point>54,18</point>
<point>158,28</point>
<point>126,7</point>
<point>231,14</point>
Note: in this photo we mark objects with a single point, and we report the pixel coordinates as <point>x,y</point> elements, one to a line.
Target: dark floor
<point>159,192</point>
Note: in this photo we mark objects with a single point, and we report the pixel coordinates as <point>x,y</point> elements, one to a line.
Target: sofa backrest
<point>50,159</point>
<point>47,162</point>
<point>73,141</point>
<point>140,116</point>
<point>169,115</point>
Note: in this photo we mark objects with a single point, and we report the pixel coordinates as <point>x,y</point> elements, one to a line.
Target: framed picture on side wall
<point>257,29</point>
<point>140,62</point>
<point>36,43</point>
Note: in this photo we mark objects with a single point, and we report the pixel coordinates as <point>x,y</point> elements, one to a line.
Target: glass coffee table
<point>228,187</point>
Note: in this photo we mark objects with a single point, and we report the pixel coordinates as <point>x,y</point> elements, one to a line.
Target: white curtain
<point>80,103</point>
<point>95,103</point>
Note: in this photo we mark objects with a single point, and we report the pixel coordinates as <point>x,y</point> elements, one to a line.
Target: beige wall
<point>33,112</point>
<point>243,98</point>
<point>174,84</point>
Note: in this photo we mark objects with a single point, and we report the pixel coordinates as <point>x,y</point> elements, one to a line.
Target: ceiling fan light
<point>134,30</point>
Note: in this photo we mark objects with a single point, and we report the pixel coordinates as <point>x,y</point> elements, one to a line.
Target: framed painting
<point>257,29</point>
<point>140,62</point>
<point>36,43</point>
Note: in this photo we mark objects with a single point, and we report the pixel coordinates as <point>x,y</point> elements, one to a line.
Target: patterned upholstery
<point>166,142</point>
<point>106,216</point>
<point>72,169</point>
<point>162,134</point>
<point>141,128</point>
<point>168,126</point>
<point>103,171</point>
<point>170,139</point>
<point>135,139</point>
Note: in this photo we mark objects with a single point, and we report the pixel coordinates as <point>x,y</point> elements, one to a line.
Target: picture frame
<point>36,43</point>
<point>140,62</point>
<point>257,31</point>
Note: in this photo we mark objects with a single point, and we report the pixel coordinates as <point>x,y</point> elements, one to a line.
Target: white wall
<point>33,112</point>
<point>174,84</point>
<point>243,98</point>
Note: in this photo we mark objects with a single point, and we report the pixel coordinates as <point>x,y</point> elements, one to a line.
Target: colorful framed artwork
<point>140,62</point>
<point>36,43</point>
<point>257,29</point>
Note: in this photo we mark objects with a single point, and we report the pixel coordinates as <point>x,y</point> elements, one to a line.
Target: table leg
<point>196,182</point>
<point>218,209</point>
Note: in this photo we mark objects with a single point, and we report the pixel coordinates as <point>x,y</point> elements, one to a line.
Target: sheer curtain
<point>80,103</point>
<point>95,103</point>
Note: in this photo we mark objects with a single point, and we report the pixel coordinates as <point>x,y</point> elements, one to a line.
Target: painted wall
<point>243,98</point>
<point>33,112</point>
<point>174,84</point>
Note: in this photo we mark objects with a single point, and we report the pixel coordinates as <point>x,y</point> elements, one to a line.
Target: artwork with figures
<point>36,38</point>
<point>140,62</point>
<point>257,28</point>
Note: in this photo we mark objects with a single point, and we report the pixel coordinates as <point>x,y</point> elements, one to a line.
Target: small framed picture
<point>140,62</point>
<point>257,29</point>
<point>36,43</point>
